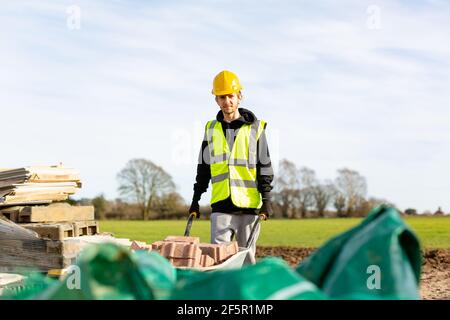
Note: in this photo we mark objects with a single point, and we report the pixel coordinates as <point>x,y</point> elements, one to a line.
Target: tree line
<point>298,193</point>
<point>147,191</point>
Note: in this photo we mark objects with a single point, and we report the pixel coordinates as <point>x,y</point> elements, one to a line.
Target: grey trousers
<point>225,225</point>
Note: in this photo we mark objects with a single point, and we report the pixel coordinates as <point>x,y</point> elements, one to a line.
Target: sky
<point>357,84</point>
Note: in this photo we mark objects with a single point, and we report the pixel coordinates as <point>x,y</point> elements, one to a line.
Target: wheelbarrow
<point>235,261</point>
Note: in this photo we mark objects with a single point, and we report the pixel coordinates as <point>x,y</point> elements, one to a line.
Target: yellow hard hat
<point>226,82</point>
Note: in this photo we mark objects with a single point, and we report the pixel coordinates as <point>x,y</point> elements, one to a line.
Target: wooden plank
<point>27,203</point>
<point>56,212</point>
<point>39,188</point>
<point>38,254</point>
<point>13,200</point>
<point>42,173</point>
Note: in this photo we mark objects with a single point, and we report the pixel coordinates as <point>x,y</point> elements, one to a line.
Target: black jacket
<point>264,170</point>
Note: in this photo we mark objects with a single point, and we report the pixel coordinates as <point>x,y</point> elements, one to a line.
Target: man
<point>235,157</point>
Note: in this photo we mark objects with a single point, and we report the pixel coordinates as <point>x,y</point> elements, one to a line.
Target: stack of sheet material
<point>32,185</point>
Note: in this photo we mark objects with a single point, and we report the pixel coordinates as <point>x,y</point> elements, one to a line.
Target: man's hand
<point>262,216</point>
<point>266,210</point>
<point>195,209</point>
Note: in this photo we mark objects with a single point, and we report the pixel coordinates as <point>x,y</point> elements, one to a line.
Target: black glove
<point>195,208</point>
<point>266,210</point>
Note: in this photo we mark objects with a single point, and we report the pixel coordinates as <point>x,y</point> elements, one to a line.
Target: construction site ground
<point>435,277</point>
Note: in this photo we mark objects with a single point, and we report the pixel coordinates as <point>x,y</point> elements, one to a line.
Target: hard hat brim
<point>225,92</point>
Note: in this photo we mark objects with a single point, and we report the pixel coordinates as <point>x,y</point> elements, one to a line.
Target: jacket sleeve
<point>264,171</point>
<point>203,172</point>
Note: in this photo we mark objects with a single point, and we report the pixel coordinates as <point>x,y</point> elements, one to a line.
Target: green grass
<point>433,232</point>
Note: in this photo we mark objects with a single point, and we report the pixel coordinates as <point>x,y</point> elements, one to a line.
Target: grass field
<point>433,232</point>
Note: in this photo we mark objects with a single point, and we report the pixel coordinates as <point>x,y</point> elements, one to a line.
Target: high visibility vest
<point>234,172</point>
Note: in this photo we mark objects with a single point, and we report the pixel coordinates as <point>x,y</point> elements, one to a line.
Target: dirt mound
<point>291,255</point>
<point>436,259</point>
<point>435,277</point>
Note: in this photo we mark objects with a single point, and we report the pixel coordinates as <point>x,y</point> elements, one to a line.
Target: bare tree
<point>306,194</point>
<point>142,181</point>
<point>169,205</point>
<point>365,206</point>
<point>286,188</point>
<point>100,206</point>
<point>323,194</point>
<point>352,186</point>
<point>339,203</point>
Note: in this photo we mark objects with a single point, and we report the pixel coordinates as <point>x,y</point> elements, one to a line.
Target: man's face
<point>229,103</point>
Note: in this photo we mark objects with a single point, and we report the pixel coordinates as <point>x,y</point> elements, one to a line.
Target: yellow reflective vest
<point>234,172</point>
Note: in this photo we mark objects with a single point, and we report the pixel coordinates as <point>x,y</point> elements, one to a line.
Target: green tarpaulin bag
<point>271,278</point>
<point>378,259</point>
<point>109,271</point>
<point>33,284</point>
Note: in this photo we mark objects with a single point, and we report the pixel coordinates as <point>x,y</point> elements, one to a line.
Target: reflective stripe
<point>266,171</point>
<point>252,143</point>
<point>230,137</point>
<point>241,163</point>
<point>219,158</point>
<point>212,124</point>
<point>220,177</point>
<point>211,131</point>
<point>213,158</point>
<point>242,183</point>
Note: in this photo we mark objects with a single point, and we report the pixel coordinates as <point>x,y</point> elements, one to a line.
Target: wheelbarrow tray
<point>234,262</point>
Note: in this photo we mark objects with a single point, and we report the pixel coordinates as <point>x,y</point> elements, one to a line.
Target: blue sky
<point>358,84</point>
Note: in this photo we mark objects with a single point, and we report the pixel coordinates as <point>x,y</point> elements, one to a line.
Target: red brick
<point>136,245</point>
<point>156,246</point>
<point>180,250</point>
<point>232,248</point>
<point>195,240</point>
<point>180,262</point>
<point>193,262</point>
<point>215,251</point>
<point>206,261</point>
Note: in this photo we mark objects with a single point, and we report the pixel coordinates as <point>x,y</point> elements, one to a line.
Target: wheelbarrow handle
<point>187,231</point>
<point>251,238</point>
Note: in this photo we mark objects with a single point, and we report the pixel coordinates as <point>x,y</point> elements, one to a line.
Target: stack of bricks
<point>189,252</point>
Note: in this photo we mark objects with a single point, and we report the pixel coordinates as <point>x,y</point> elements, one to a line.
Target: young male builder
<point>234,155</point>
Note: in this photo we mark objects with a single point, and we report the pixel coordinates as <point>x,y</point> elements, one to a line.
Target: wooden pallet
<point>11,213</point>
<point>52,231</point>
<point>60,231</point>
<point>85,228</point>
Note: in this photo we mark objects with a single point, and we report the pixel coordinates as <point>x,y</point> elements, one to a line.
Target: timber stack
<point>36,225</point>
